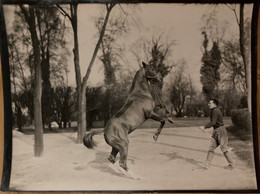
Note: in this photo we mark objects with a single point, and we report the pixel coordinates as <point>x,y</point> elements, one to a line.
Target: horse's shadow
<point>102,164</point>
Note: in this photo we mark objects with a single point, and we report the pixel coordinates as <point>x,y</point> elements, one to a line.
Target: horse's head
<point>151,73</point>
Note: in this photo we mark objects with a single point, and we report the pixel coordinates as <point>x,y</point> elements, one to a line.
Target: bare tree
<point>53,62</point>
<point>14,72</point>
<point>82,97</point>
<point>30,16</point>
<point>159,54</point>
<point>233,69</point>
<point>72,15</point>
<point>241,21</point>
<point>157,51</point>
<point>82,85</point>
<point>180,88</point>
<point>111,54</point>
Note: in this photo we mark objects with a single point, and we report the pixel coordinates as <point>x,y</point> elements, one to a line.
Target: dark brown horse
<point>138,107</point>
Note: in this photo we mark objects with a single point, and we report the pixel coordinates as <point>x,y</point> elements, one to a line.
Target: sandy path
<point>172,163</point>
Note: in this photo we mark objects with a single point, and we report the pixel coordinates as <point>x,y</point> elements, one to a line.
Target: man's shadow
<point>175,155</point>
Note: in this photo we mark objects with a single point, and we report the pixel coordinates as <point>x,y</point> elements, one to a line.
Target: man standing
<point>219,136</point>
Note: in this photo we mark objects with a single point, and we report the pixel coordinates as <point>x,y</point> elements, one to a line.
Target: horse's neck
<point>140,84</point>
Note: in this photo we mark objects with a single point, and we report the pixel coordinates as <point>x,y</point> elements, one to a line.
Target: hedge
<point>241,118</point>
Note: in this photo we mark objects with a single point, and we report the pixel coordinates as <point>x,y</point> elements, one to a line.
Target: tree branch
<point>102,32</point>
<point>123,10</point>
<point>63,12</point>
<point>25,12</point>
<point>234,10</point>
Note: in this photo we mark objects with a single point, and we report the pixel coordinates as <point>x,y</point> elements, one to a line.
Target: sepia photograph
<point>131,96</point>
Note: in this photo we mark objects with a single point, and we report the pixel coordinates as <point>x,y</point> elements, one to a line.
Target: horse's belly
<point>135,120</point>
<point>130,118</point>
<point>137,114</point>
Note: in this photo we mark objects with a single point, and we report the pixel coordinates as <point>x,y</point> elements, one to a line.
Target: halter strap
<point>158,97</point>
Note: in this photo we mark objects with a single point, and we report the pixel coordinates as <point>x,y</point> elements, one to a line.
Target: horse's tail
<point>88,140</point>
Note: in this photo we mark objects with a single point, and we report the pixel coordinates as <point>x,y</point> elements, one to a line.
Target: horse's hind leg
<point>112,157</point>
<point>123,154</point>
<point>114,152</point>
<point>121,144</point>
<point>116,137</point>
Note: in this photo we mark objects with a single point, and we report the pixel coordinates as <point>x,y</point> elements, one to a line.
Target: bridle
<point>149,80</point>
<point>156,94</point>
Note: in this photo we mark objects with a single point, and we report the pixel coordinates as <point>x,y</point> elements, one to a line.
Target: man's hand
<point>202,128</point>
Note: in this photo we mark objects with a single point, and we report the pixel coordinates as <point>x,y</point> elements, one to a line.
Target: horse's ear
<point>144,64</point>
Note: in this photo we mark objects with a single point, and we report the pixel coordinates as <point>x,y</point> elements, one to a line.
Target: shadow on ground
<point>181,147</point>
<point>102,164</point>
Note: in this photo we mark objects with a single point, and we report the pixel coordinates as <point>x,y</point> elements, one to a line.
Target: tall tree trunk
<point>82,99</point>
<point>38,127</point>
<point>38,149</point>
<point>244,54</point>
<point>74,22</point>
<point>82,126</point>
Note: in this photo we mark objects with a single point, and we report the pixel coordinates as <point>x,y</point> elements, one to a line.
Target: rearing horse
<point>137,108</point>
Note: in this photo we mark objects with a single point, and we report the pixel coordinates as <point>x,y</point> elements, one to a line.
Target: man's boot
<point>229,160</point>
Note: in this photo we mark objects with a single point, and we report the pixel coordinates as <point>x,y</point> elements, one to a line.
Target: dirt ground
<point>171,163</point>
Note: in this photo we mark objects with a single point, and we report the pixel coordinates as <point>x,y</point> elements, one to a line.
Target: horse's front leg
<point>158,131</point>
<point>156,117</point>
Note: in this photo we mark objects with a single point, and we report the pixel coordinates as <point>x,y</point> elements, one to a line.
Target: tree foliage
<point>209,71</point>
<point>157,51</point>
<point>30,21</point>
<point>111,55</point>
<point>63,105</point>
<point>159,54</point>
<point>233,71</point>
<point>50,30</point>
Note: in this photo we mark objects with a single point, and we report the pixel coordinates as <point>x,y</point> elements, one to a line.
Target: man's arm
<point>212,122</point>
<point>213,119</point>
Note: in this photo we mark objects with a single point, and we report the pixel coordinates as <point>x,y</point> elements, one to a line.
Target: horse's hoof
<point>170,120</point>
<point>111,159</point>
<point>155,137</point>
<point>124,166</point>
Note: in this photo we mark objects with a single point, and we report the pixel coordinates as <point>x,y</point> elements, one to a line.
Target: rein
<point>157,96</point>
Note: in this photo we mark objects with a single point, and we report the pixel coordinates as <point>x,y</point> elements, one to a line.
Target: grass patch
<point>183,122</point>
<point>178,122</point>
<point>242,142</point>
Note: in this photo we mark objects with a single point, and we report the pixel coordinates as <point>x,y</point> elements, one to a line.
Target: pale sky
<point>179,22</point>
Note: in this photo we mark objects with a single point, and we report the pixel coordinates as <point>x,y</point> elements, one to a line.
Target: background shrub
<point>243,102</point>
<point>241,118</point>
